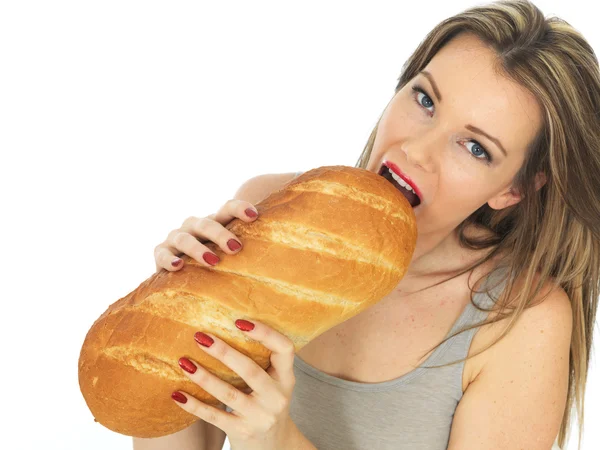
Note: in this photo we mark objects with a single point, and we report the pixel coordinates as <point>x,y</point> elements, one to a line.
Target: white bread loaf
<point>327,246</point>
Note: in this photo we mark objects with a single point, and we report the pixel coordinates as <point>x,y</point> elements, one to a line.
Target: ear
<point>511,196</point>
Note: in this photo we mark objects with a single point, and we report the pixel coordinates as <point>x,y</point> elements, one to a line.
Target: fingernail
<point>233,245</point>
<point>178,396</point>
<point>203,339</point>
<point>251,213</point>
<point>244,325</point>
<point>210,258</point>
<point>187,365</point>
<point>176,262</point>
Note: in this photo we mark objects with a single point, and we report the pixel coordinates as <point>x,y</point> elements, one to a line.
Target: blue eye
<point>426,102</point>
<point>481,150</point>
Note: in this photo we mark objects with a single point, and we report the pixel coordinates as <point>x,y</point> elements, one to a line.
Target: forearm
<point>290,438</point>
<point>297,440</point>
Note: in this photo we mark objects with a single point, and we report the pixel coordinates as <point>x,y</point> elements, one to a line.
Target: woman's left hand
<point>261,419</point>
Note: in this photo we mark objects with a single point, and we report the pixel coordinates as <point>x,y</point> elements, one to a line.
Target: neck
<point>431,253</point>
<point>442,255</point>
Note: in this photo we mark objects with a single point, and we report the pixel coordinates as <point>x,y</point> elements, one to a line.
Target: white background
<point>119,119</point>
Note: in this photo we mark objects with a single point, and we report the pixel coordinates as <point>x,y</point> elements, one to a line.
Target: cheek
<point>463,190</point>
<point>401,114</point>
<point>396,124</point>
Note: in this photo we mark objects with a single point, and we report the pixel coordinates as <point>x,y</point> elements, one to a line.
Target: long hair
<point>549,232</point>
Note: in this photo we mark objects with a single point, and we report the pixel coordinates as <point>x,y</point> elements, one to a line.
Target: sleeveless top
<point>412,412</point>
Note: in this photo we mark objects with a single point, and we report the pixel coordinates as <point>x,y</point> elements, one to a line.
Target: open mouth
<point>412,198</point>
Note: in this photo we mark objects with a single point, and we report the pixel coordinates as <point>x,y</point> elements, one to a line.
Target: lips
<point>407,193</point>
<point>394,168</point>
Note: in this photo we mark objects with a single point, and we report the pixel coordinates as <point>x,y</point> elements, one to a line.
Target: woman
<point>495,125</point>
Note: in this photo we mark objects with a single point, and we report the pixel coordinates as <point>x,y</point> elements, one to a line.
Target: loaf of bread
<point>326,246</point>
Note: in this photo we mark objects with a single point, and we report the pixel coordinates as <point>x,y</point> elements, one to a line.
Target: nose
<point>421,147</point>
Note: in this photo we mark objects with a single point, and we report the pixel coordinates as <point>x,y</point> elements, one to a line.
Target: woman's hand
<point>188,239</point>
<point>261,420</point>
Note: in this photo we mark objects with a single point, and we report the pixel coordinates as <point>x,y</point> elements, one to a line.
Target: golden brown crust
<point>328,245</point>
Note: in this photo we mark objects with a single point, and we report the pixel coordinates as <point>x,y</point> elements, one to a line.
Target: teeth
<point>401,182</point>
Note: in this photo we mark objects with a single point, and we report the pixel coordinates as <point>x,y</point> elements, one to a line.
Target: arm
<point>518,398</point>
<point>297,441</point>
<point>260,187</point>
<point>200,435</point>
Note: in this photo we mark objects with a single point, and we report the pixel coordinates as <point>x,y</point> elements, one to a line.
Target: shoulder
<point>519,395</point>
<point>546,322</point>
<point>541,333</point>
<point>260,187</point>
<point>545,326</point>
<point>550,313</point>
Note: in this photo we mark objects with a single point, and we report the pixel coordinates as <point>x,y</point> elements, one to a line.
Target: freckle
<point>541,331</point>
<point>443,302</point>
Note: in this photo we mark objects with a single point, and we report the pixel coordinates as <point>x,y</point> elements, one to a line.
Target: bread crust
<point>328,245</point>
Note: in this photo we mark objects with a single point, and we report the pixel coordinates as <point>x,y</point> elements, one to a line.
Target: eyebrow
<point>469,127</point>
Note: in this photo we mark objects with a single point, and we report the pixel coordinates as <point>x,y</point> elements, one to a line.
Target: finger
<point>219,418</point>
<point>188,244</point>
<point>234,209</point>
<point>254,375</point>
<point>221,390</point>
<point>165,258</point>
<point>282,351</point>
<point>211,230</point>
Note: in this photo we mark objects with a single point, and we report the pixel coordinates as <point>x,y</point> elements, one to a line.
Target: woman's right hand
<point>187,239</point>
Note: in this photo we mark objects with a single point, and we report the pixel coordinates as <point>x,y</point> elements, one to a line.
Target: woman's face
<point>428,132</point>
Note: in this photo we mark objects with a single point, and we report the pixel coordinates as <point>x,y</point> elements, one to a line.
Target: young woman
<point>495,125</point>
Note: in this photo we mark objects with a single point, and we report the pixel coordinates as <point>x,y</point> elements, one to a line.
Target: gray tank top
<point>412,412</point>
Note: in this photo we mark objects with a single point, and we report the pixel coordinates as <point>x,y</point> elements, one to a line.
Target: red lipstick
<point>394,168</point>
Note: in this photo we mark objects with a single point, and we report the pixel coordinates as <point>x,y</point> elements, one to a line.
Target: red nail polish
<point>176,262</point>
<point>250,213</point>
<point>187,365</point>
<point>203,339</point>
<point>244,325</point>
<point>178,396</point>
<point>210,258</point>
<point>233,245</point>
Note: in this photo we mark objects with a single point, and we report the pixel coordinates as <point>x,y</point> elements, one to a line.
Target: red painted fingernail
<point>203,339</point>
<point>211,258</point>
<point>244,325</point>
<point>251,213</point>
<point>233,245</point>
<point>176,262</point>
<point>187,365</point>
<point>178,396</point>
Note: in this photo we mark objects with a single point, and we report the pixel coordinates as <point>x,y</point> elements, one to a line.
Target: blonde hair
<point>548,232</point>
